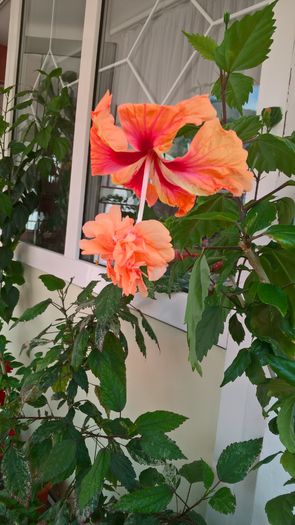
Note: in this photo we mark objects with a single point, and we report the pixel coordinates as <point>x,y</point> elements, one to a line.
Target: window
<point>51,38</point>
<point>144,57</point>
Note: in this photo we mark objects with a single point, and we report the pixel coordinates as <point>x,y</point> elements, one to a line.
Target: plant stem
<point>253,203</point>
<point>223,84</point>
<point>254,261</point>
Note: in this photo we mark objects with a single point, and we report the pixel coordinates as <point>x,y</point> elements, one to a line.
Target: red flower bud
<point>217,266</point>
<point>2,397</point>
<point>8,367</point>
<point>11,432</point>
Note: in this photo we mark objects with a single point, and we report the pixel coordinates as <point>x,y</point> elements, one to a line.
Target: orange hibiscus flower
<point>215,160</point>
<point>128,248</point>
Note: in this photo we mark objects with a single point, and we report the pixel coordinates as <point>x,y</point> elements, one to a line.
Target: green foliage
<point>92,483</point>
<point>283,234</point>
<point>205,45</point>
<point>237,368</point>
<point>198,291</point>
<point>285,422</point>
<point>158,421</point>
<point>198,471</point>
<point>223,501</point>
<point>236,460</point>
<point>52,283</point>
<point>237,91</point>
<point>16,475</point>
<point>280,509</point>
<point>153,499</point>
<point>247,41</point>
<point>269,153</point>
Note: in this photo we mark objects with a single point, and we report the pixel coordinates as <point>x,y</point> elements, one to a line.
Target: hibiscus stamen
<point>145,183</point>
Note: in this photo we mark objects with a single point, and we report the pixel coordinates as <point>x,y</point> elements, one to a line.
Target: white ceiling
<point>4,22</point>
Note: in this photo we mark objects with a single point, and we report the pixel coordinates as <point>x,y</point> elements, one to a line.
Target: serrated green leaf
<point>260,216</point>
<point>60,462</point>
<point>237,92</point>
<point>112,374</point>
<point>270,153</point>
<point>160,447</point>
<point>158,421</point>
<point>286,210</point>
<point>237,367</point>
<point>245,127</point>
<point>86,294</point>
<point>223,501</point>
<point>198,471</point>
<point>271,116</point>
<point>236,329</point>
<point>79,349</point>
<point>279,510</point>
<point>16,475</point>
<point>121,467</point>
<point>283,234</point>
<point>198,291</point>
<point>148,329</point>
<point>247,41</point>
<point>150,477</point>
<point>285,422</point>
<point>283,367</point>
<point>33,312</point>
<point>236,460</point>
<point>149,500</point>
<point>288,462</point>
<point>52,282</point>
<point>209,329</point>
<point>273,295</point>
<point>205,45</point>
<point>92,483</point>
<point>265,461</point>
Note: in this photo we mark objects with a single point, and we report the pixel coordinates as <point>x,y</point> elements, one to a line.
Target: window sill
<point>167,310</point>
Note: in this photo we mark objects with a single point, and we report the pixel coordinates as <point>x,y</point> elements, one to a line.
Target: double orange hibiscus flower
<point>133,155</point>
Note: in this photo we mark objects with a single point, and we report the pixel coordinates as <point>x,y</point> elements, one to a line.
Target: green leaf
<point>223,501</point>
<point>270,153</point>
<point>154,449</point>
<point>238,89</point>
<point>247,41</point>
<point>236,329</point>
<point>245,127</point>
<point>285,210</point>
<point>44,166</point>
<point>283,367</point>
<point>149,500</point>
<point>86,294</point>
<point>205,45</point>
<point>121,467</point>
<point>279,510</point>
<point>160,447</point>
<point>236,460</point>
<point>52,283</point>
<point>265,461</point>
<point>33,312</point>
<point>237,367</point>
<point>285,422</point>
<point>16,475</point>
<point>260,216</point>
<point>148,329</point>
<point>5,205</point>
<point>208,330</point>
<point>158,421</point>
<point>288,462</point>
<point>107,304</point>
<point>60,147</point>
<point>150,477</point>
<point>43,136</point>
<point>271,116</point>
<point>198,291</point>
<point>79,349</point>
<point>198,471</point>
<point>271,294</point>
<point>92,483</point>
<point>112,375</point>
<point>283,234</point>
<point>60,462</point>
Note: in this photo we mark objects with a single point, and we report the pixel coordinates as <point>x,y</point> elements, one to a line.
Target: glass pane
<point>144,57</point>
<point>51,38</point>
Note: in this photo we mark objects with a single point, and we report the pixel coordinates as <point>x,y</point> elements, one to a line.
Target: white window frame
<point>68,265</point>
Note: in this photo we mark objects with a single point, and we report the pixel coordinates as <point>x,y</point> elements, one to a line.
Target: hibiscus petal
<point>132,179</point>
<point>171,193</point>
<point>216,160</point>
<point>196,110</point>
<point>104,123</point>
<point>105,160</point>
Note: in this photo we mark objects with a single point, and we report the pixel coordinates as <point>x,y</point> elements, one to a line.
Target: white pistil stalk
<point>145,182</point>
